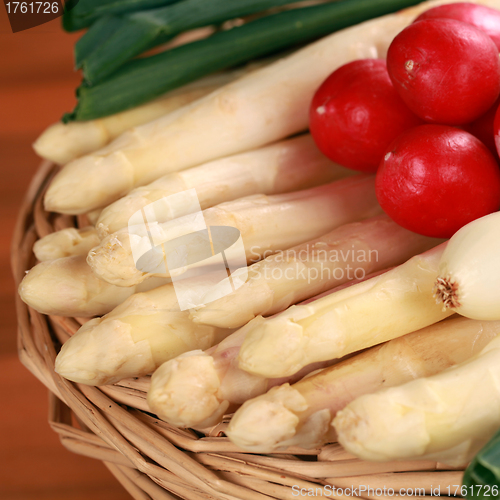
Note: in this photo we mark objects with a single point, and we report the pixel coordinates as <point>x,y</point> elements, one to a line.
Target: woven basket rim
<point>150,458</point>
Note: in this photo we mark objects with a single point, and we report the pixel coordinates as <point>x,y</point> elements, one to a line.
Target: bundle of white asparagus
<point>447,417</point>
<point>300,414</point>
<point>197,388</point>
<point>368,313</point>
<point>266,225</point>
<point>184,396</point>
<point>285,278</point>
<point>377,355</point>
<point>280,168</point>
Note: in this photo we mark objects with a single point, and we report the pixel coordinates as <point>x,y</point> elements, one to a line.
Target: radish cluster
<point>424,121</point>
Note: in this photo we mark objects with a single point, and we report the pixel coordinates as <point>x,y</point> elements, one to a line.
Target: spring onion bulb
<point>469,270</point>
<point>447,417</point>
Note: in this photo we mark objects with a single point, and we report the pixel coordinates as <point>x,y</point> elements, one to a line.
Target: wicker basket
<point>154,460</point>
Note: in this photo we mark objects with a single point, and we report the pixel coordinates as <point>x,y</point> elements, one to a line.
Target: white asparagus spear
<point>197,388</point>
<point>135,338</point>
<point>368,313</point>
<point>447,417</point>
<point>280,280</point>
<point>65,243</point>
<point>265,106</point>
<point>267,224</point>
<point>282,167</point>
<point>301,414</point>
<point>62,143</point>
<point>68,287</point>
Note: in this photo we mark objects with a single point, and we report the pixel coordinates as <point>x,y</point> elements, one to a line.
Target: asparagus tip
<point>184,391</point>
<point>262,426</point>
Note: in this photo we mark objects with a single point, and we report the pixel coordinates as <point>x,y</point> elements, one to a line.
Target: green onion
<point>482,476</point>
<point>79,14</point>
<point>99,32</point>
<point>143,30</point>
<point>144,79</point>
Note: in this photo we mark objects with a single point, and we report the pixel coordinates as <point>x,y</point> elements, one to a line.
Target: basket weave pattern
<point>154,460</point>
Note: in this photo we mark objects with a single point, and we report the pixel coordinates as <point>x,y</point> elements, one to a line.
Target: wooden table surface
<point>36,86</point>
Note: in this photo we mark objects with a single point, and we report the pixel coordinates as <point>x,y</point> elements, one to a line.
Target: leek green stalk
<point>79,14</point>
<point>112,42</point>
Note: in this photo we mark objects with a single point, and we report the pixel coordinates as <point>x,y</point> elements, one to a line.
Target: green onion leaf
<point>79,14</point>
<point>140,31</point>
<point>482,477</point>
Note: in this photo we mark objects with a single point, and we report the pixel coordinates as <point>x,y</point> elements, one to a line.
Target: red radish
<point>496,130</point>
<point>434,179</point>
<point>356,113</point>
<point>483,128</point>
<point>484,18</point>
<point>446,71</point>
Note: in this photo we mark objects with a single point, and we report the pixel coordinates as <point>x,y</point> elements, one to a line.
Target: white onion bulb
<point>469,270</point>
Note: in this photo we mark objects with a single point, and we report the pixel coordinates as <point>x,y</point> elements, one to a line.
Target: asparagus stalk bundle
<point>267,224</point>
<point>258,109</point>
<point>300,414</point>
<point>65,243</point>
<point>447,417</point>
<point>301,272</point>
<point>63,142</point>
<point>196,388</point>
<point>282,167</point>
<point>442,417</point>
<point>393,304</point>
<point>135,338</point>
<point>68,287</point>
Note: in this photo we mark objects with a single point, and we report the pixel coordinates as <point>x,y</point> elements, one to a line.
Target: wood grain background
<point>36,86</point>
